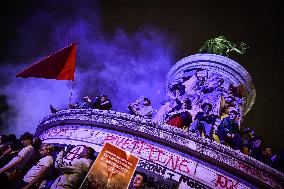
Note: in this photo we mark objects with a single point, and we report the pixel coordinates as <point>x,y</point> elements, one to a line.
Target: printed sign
<point>113,168</point>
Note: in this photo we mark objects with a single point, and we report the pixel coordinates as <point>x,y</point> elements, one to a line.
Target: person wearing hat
<point>204,121</point>
<point>229,131</point>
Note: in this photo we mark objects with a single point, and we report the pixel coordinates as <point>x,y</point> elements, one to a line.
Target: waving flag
<point>60,65</point>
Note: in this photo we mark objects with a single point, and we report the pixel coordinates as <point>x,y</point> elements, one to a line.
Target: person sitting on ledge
<point>229,131</point>
<point>270,158</point>
<point>146,111</point>
<point>181,118</point>
<point>256,148</point>
<point>86,104</point>
<point>204,121</point>
<point>102,103</point>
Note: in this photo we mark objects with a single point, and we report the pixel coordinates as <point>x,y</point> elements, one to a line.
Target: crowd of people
<point>27,163</point>
<point>224,129</point>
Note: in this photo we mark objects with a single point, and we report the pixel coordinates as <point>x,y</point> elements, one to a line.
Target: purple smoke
<point>122,66</point>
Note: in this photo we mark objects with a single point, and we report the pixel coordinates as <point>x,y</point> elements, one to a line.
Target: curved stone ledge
<point>188,143</point>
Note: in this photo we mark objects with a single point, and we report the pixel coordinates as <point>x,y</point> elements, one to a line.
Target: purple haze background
<point>122,66</point>
<point>32,29</point>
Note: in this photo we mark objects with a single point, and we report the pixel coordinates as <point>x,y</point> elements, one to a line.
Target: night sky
<point>126,48</point>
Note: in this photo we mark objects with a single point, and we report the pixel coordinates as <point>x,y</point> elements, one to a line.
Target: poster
<point>112,169</point>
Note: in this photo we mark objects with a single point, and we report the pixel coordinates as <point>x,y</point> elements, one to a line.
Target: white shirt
<point>47,161</point>
<point>146,111</point>
<point>26,153</point>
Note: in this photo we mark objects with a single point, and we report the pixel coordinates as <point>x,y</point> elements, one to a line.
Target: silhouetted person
<point>271,158</point>
<point>102,103</point>
<point>256,149</point>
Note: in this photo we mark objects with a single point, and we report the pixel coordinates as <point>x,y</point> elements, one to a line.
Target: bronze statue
<point>220,45</point>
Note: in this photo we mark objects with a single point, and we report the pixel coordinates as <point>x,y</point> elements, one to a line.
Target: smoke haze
<point>122,66</point>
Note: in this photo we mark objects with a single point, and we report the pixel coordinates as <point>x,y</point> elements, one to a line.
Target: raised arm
<point>12,165</point>
<point>40,175</point>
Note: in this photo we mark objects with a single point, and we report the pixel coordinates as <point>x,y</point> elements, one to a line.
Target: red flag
<point>60,65</point>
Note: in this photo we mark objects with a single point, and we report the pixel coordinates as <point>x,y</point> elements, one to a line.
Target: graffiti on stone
<point>183,180</point>
<point>225,182</point>
<point>174,163</point>
<point>264,177</point>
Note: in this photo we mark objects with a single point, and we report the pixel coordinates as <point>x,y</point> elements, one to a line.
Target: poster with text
<point>113,169</point>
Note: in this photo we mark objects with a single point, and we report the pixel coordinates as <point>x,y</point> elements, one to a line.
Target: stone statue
<point>220,45</point>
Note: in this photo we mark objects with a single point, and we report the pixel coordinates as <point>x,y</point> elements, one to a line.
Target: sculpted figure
<point>220,45</point>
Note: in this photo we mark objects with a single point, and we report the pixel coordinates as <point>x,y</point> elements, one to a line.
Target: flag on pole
<point>60,65</point>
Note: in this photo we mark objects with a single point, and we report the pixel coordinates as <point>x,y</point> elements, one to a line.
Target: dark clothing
<point>84,105</point>
<point>210,119</point>
<point>81,105</point>
<point>97,104</point>
<point>105,106</point>
<point>256,153</point>
<point>272,160</point>
<point>186,118</point>
<point>230,126</point>
<point>16,145</point>
<point>203,123</point>
<point>19,184</point>
<point>4,179</point>
<point>176,108</point>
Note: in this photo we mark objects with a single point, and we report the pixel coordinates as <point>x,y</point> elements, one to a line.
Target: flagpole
<point>71,92</point>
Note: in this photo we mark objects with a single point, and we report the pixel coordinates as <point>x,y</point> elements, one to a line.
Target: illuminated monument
<point>169,154</point>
